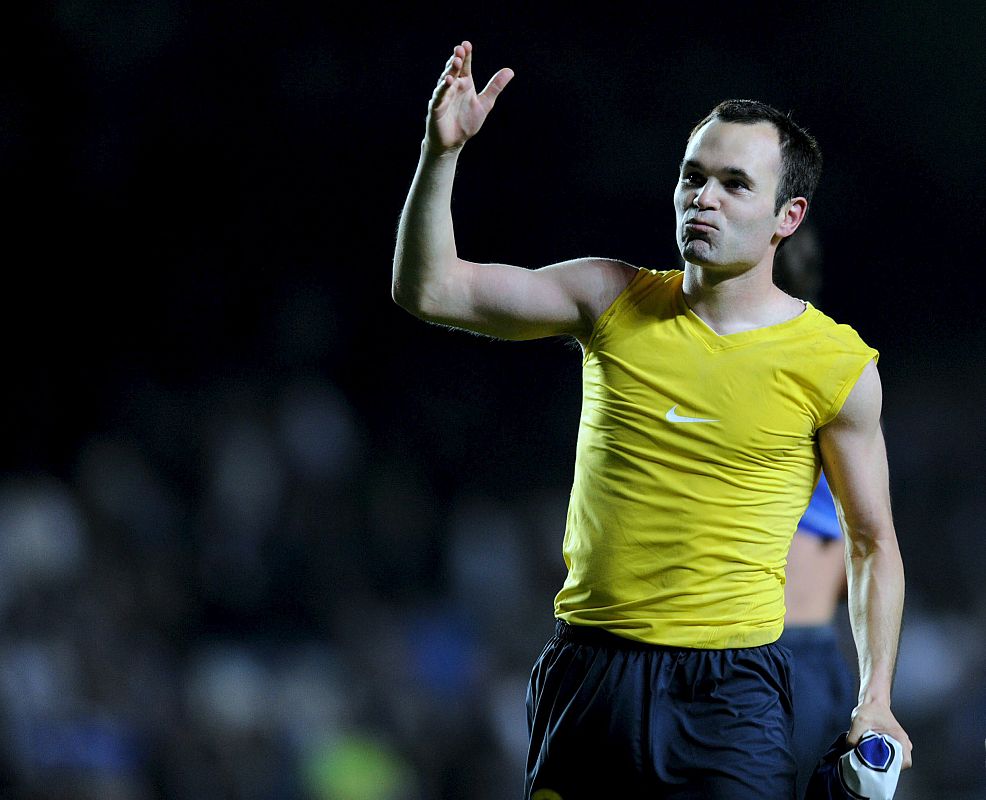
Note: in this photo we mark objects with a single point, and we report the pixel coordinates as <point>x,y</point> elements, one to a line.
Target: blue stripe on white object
<point>868,771</point>
<point>872,767</point>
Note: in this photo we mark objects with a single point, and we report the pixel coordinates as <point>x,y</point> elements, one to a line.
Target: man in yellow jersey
<point>711,399</point>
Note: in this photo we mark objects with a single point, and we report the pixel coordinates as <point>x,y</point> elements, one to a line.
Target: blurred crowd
<point>297,620</point>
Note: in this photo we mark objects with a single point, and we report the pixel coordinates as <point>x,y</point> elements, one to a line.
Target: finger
<point>447,78</point>
<point>905,742</point>
<point>457,52</point>
<point>496,85</point>
<point>457,57</point>
<point>856,730</point>
<point>441,88</point>
<point>467,59</point>
<point>455,68</point>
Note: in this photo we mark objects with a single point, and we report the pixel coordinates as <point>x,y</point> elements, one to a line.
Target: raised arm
<point>855,460</point>
<point>432,282</point>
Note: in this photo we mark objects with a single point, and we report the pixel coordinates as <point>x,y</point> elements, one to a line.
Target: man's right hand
<point>432,282</point>
<point>456,112</point>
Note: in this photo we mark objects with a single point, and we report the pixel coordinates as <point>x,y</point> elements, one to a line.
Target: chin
<point>698,253</point>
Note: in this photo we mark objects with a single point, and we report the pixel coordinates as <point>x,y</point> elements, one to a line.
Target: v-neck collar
<point>724,341</point>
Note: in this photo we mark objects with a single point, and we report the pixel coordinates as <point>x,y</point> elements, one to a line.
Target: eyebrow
<point>735,172</point>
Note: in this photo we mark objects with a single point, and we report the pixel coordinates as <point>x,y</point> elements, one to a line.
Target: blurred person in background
<point>664,675</point>
<point>824,690</point>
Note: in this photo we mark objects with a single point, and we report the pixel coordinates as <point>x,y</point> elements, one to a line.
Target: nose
<point>707,196</point>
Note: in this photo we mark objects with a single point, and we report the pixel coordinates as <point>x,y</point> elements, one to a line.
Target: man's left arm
<point>854,457</point>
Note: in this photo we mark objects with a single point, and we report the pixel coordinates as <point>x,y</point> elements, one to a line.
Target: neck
<point>734,302</point>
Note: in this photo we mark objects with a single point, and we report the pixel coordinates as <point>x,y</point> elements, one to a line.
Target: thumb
<point>856,731</point>
<point>496,85</point>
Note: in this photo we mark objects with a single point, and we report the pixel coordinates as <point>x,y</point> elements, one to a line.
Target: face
<point>724,200</point>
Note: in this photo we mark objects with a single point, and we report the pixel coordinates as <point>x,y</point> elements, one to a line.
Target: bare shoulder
<point>864,403</point>
<point>594,282</point>
<point>854,457</point>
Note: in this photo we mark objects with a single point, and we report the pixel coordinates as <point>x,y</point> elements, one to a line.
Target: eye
<point>736,184</point>
<point>692,178</point>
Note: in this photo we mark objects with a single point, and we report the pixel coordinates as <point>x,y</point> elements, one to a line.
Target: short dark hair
<point>801,158</point>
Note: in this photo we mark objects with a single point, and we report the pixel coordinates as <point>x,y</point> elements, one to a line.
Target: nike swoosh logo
<point>673,416</point>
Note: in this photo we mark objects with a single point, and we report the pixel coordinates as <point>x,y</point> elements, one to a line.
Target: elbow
<point>878,545</point>
<point>399,291</point>
<point>426,296</point>
<point>402,288</point>
<point>406,298</point>
<point>398,294</point>
<point>411,299</point>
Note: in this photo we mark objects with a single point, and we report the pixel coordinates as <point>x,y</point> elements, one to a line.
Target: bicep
<point>854,458</point>
<point>511,302</point>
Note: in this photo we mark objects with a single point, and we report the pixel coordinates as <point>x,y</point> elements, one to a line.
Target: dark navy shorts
<point>613,718</point>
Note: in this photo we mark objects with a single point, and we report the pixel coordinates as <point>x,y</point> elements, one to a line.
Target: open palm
<point>456,112</point>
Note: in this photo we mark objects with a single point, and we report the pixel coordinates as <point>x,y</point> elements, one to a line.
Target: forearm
<point>855,461</point>
<point>876,600</point>
<point>425,249</point>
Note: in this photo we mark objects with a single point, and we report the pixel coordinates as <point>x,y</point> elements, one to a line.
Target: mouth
<point>699,226</point>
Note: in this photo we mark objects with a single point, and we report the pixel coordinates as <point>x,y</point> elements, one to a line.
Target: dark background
<point>231,461</point>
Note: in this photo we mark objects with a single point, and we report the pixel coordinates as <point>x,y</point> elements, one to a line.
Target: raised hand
<point>456,112</point>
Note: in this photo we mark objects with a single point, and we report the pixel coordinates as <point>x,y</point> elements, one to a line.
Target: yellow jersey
<point>697,455</point>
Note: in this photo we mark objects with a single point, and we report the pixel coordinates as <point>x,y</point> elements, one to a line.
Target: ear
<point>791,216</point>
